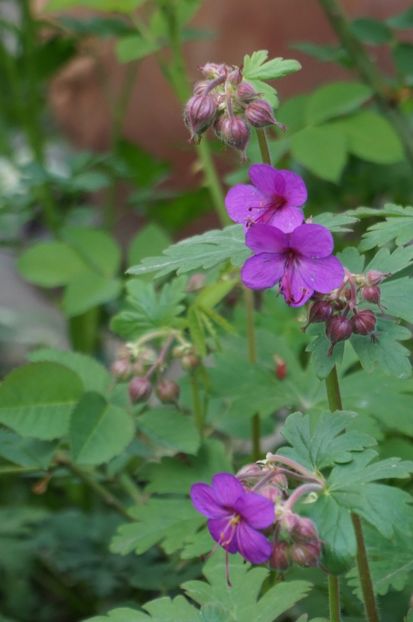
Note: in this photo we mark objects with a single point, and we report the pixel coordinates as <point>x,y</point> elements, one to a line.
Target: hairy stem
<point>304,489</point>
<point>252,357</point>
<point>197,402</point>
<point>334,598</point>
<point>369,73</point>
<point>263,145</point>
<point>335,403</point>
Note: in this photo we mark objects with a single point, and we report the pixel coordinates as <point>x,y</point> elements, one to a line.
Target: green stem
<point>335,403</point>
<point>84,331</point>
<point>263,145</point>
<point>130,488</point>
<point>252,358</point>
<point>334,598</point>
<point>369,73</point>
<point>197,403</point>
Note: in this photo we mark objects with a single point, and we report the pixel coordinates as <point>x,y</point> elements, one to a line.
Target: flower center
<point>278,202</point>
<point>227,534</point>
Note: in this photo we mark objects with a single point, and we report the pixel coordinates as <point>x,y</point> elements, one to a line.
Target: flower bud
<point>320,311</point>
<point>375,277</point>
<point>121,369</point>
<point>201,87</point>
<point>139,389</point>
<point>235,76</point>
<point>259,113</point>
<point>363,322</point>
<point>195,282</point>
<point>167,390</point>
<point>190,361</point>
<point>271,492</point>
<point>280,559</point>
<point>288,521</point>
<point>306,554</point>
<point>371,293</point>
<point>250,471</point>
<point>233,131</point>
<point>280,367</point>
<point>138,367</point>
<point>123,352</point>
<point>246,92</point>
<point>213,70</point>
<point>199,113</point>
<point>338,329</point>
<point>305,529</point>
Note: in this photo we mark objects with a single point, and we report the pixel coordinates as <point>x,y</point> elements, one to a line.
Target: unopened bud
<point>305,529</point>
<point>280,367</point>
<point>233,131</point>
<point>364,322</point>
<point>167,390</point>
<point>306,554</point>
<point>288,521</point>
<point>201,87</point>
<point>246,92</point>
<point>273,493</point>
<point>250,471</point>
<point>235,76</point>
<point>139,389</point>
<point>371,293</point>
<point>190,361</point>
<point>199,113</point>
<point>138,368</point>
<point>213,70</point>
<point>339,328</point>
<point>375,277</point>
<point>280,559</point>
<point>121,369</point>
<point>259,113</point>
<point>320,311</point>
<point>195,282</point>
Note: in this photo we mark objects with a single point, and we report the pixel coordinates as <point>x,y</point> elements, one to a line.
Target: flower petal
<point>262,271</point>
<point>313,241</point>
<point>295,191</point>
<point>241,200</point>
<point>227,489</point>
<point>295,290</point>
<point>286,218</point>
<point>204,500</point>
<point>252,545</point>
<point>224,533</point>
<point>267,179</point>
<point>256,510</point>
<point>266,239</point>
<point>322,275</point>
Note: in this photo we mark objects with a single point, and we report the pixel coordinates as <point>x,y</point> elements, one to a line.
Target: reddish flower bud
<point>167,390</point>
<point>139,389</point>
<point>259,113</point>
<point>364,322</point>
<point>338,329</point>
<point>246,92</point>
<point>372,294</point>
<point>121,369</point>
<point>190,361</point>
<point>306,554</point>
<point>195,282</point>
<point>233,131</point>
<point>305,529</point>
<point>138,367</point>
<point>235,75</point>
<point>288,521</point>
<point>250,471</point>
<point>320,311</point>
<point>201,87</point>
<point>273,493</point>
<point>213,70</point>
<point>280,367</point>
<point>375,277</point>
<point>199,113</point>
<point>280,559</point>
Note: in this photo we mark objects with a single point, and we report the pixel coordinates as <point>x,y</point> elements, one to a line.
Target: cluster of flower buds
<point>340,310</point>
<point>138,366</point>
<point>228,103</point>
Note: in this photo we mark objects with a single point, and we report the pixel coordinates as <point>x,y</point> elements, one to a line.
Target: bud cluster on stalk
<point>229,104</point>
<point>340,310</point>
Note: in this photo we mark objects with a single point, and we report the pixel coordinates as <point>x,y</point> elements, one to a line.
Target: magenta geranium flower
<point>274,198</point>
<point>301,261</point>
<point>235,516</point>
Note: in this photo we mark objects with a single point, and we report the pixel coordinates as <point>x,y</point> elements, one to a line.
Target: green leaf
<point>126,6</point>
<point>337,223</point>
<point>96,248</point>
<point>135,47</point>
<point>173,476</point>
<point>398,226</point>
<point>170,430</point>
<point>371,31</point>
<point>88,290</point>
<point>160,610</point>
<point>396,297</point>
<point>371,137</point>
<point>326,53</point>
<point>121,615</point>
<point>384,350</point>
<point>292,113</point>
<point>269,93</point>
<point>150,240</point>
<point>322,361</point>
<point>242,603</point>
<point>147,309</point>
<point>50,264</point>
<point>36,400</point>
<point>320,440</point>
<point>198,252</point>
<point>25,452</point>
<point>93,375</point>
<point>385,261</point>
<point>336,99</point>
<point>98,431</point>
<point>351,259</point>
<point>168,522</point>
<point>256,66</point>
<point>403,59</point>
<point>330,146</point>
<point>403,20</point>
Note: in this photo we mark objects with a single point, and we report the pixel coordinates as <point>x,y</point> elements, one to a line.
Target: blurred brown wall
<point>154,117</point>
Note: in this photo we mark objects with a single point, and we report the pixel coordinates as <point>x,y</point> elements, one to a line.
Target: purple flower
<point>235,515</point>
<point>301,261</point>
<point>274,198</point>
